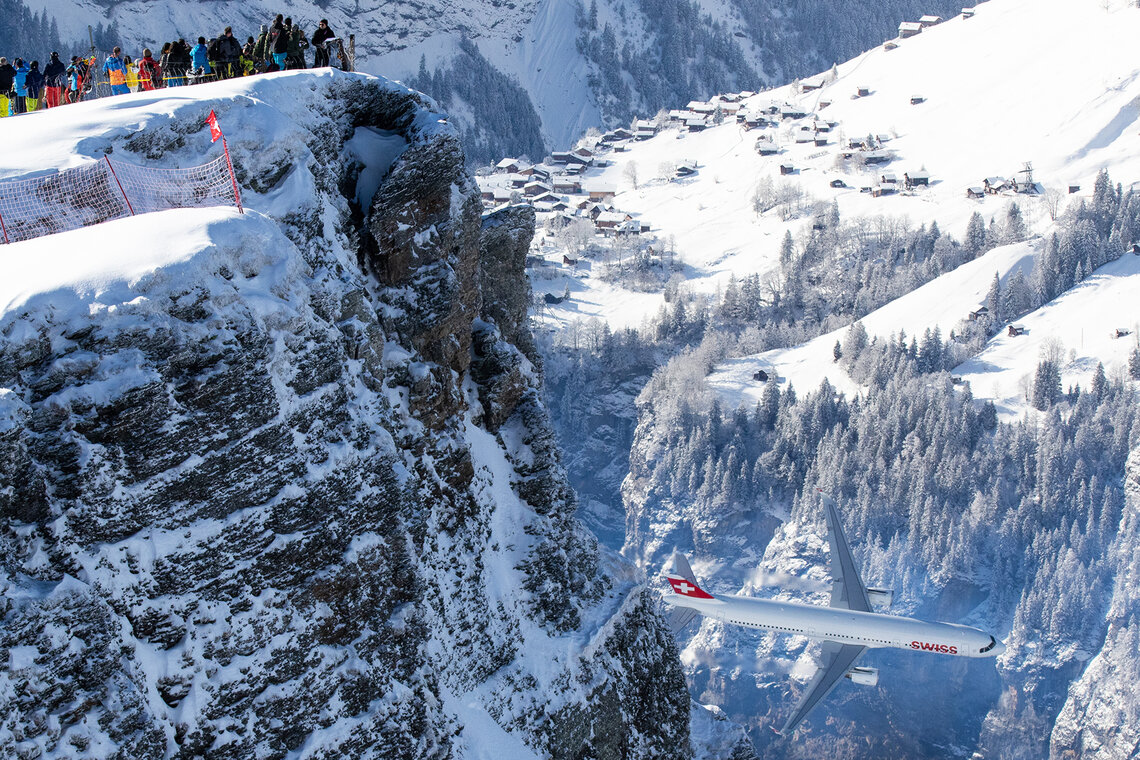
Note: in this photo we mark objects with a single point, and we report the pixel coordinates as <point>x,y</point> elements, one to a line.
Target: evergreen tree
<point>1046,385</point>
<point>975,240</point>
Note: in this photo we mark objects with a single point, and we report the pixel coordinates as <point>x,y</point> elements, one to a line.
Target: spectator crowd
<point>281,45</point>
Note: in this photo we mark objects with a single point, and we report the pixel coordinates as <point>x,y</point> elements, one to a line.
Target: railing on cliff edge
<point>106,190</point>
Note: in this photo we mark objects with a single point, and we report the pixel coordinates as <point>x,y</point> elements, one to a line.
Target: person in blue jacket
<point>199,57</point>
<point>21,86</point>
<point>116,71</point>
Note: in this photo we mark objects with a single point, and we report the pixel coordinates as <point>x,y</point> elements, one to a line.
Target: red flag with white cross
<point>215,130</point>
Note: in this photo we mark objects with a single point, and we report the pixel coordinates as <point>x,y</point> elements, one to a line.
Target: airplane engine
<point>881,596</point>
<point>864,676</point>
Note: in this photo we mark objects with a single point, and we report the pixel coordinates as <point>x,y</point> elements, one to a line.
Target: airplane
<point>848,627</point>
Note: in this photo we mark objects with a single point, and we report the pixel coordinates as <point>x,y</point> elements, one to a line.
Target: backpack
<point>214,49</point>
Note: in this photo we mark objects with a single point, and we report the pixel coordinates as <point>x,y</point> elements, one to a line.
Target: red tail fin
<point>688,588</point>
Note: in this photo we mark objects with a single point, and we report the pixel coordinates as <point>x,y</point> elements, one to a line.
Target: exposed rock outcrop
<point>289,494</point>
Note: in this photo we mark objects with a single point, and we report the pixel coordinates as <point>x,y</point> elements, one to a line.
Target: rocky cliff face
<point>297,493</point>
<point>1101,715</point>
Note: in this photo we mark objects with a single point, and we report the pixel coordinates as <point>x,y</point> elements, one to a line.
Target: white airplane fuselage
<point>869,629</point>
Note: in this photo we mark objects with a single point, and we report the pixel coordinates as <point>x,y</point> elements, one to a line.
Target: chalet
<point>866,189</point>
<point>890,45</point>
<point>883,137</point>
<point>787,168</point>
<point>820,141</point>
<point>929,20</point>
<point>751,120</point>
<point>560,157</point>
<point>678,114</point>
<point>1074,189</point>
<point>574,168</point>
<point>568,261</point>
<point>883,189</point>
<point>914,179</point>
<point>695,124</point>
<point>542,207</point>
<point>518,180</point>
<point>837,183</point>
<point>876,156</point>
<point>909,29</point>
<point>502,195</point>
<point>614,135</point>
<point>600,193</point>
<point>808,86</point>
<point>630,227</point>
<point>888,178</point>
<point>792,112</point>
<point>685,169</point>
<point>730,109</point>
<point>858,143</point>
<point>551,299</point>
<point>731,97</point>
<point>766,147</point>
<point>1120,332</point>
<point>564,184</point>
<point>760,376</point>
<point>916,100</point>
<point>508,166</point>
<point>534,189</point>
<point>1015,330</point>
<point>609,220</point>
<point>967,13</point>
<point>862,92</point>
<point>824,104</point>
<point>805,135</point>
<point>560,205</point>
<point>700,106</point>
<point>994,185</point>
<point>548,198</point>
<point>643,129</point>
<point>583,153</point>
<point>975,192</point>
<point>981,311</point>
<point>596,210</point>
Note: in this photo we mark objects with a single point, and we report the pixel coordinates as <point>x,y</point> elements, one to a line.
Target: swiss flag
<point>215,130</point>
<point>684,588</point>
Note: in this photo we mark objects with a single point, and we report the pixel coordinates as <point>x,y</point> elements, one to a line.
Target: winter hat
<point>35,65</point>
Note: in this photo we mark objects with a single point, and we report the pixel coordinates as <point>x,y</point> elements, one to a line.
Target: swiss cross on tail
<point>685,587</point>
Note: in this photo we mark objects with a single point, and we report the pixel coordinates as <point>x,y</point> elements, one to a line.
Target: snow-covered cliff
<point>276,484</point>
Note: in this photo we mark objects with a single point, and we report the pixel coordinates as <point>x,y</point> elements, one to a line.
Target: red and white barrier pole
<point>120,184</point>
<point>4,230</point>
<point>233,179</point>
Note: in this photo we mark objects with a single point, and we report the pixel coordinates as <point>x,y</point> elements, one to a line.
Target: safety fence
<point>106,190</point>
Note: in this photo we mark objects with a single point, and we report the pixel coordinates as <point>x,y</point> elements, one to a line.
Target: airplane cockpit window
<point>989,646</point>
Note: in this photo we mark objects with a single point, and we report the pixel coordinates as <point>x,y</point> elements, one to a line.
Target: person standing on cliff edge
<point>320,43</point>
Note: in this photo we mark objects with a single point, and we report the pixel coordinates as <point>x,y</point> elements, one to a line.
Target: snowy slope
<point>941,303</point>
<point>997,95</point>
<point>1084,321</point>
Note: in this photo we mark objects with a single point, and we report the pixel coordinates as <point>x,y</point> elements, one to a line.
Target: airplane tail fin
<point>683,581</point>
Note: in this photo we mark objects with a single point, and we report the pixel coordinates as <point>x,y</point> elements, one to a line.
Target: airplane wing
<point>837,660</point>
<point>679,617</point>
<point>847,589</point>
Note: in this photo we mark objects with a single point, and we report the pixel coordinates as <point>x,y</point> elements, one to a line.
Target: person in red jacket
<point>150,73</point>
